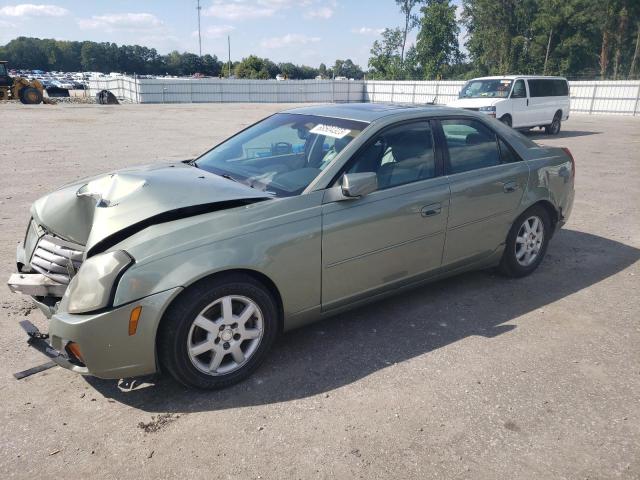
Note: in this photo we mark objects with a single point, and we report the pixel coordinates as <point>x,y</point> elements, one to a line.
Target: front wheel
<point>526,243</point>
<point>506,119</point>
<point>30,96</point>
<point>218,331</point>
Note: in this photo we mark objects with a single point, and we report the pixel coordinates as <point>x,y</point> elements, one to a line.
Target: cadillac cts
<point>193,268</point>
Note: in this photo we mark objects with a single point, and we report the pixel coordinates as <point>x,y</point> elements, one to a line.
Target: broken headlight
<point>92,287</point>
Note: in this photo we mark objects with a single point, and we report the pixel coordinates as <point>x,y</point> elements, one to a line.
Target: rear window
<point>548,87</point>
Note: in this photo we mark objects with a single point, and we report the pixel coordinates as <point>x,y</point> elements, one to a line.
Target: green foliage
<point>346,68</point>
<point>437,43</point>
<point>585,38</point>
<point>386,56</point>
<point>57,55</point>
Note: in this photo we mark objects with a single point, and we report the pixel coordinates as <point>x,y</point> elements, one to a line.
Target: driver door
<point>395,234</point>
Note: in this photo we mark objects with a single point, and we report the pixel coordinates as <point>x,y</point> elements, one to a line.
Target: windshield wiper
<point>228,177</point>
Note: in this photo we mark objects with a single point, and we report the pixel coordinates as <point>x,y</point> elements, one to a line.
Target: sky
<point>301,31</point>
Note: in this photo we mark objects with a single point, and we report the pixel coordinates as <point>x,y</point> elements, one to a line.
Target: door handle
<point>431,210</point>
<point>510,187</point>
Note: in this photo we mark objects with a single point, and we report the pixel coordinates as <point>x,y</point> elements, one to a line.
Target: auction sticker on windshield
<point>330,131</point>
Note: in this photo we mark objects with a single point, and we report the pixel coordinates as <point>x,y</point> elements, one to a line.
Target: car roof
<point>513,77</point>
<point>370,112</point>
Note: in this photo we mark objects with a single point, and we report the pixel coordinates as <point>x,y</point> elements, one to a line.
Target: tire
<point>516,262</point>
<point>195,335</point>
<point>30,96</point>
<point>506,119</point>
<point>554,127</point>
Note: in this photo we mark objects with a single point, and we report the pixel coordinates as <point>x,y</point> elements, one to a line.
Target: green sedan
<point>195,267</point>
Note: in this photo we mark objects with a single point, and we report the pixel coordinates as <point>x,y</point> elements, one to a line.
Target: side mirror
<point>356,185</point>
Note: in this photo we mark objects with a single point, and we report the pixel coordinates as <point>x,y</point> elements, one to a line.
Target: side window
<point>519,90</point>
<point>398,156</point>
<point>471,145</point>
<point>507,155</point>
<point>560,88</point>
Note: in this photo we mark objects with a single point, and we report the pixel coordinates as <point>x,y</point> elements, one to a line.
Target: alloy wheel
<point>529,241</point>
<point>225,334</point>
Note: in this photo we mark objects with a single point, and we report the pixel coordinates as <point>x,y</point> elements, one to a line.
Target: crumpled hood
<point>92,210</point>
<point>475,102</point>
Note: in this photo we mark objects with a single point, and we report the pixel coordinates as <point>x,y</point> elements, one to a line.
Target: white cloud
<point>280,4</point>
<point>215,31</point>
<point>322,12</point>
<point>287,40</point>
<point>368,31</point>
<point>238,10</point>
<point>121,21</point>
<point>31,10</point>
<point>251,9</point>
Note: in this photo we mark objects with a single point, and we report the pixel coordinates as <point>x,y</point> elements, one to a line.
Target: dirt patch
<point>157,423</point>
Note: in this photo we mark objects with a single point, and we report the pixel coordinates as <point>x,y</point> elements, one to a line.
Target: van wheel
<point>526,243</point>
<point>554,128</point>
<point>506,119</point>
<point>218,331</point>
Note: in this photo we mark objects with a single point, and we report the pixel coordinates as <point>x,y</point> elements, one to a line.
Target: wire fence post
<point>393,91</point>
<point>593,98</point>
<point>635,107</point>
<point>333,90</point>
<point>413,93</point>
<point>435,100</point>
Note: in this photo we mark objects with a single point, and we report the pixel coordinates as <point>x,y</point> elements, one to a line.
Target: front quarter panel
<point>278,238</point>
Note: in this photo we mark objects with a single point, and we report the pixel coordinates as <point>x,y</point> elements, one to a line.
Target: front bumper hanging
<point>38,341</point>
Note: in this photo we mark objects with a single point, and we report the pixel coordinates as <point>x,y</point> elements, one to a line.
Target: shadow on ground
<point>540,134</point>
<point>348,347</point>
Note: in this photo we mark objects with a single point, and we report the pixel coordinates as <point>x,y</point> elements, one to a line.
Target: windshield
<point>281,154</point>
<point>3,70</point>
<point>486,88</point>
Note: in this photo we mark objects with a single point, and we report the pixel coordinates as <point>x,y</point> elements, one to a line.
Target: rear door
<point>394,234</point>
<point>487,180</point>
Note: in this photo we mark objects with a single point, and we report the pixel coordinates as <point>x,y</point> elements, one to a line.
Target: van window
<point>560,88</point>
<point>519,90</point>
<point>548,87</point>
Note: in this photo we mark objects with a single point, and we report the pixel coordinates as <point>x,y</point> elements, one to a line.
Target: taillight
<point>573,162</point>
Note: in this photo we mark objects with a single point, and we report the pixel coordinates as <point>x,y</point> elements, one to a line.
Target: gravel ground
<point>473,377</point>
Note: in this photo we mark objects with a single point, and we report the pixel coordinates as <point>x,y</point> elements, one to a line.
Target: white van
<point>519,101</point>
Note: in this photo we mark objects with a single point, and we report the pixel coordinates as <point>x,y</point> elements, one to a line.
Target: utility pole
<point>199,34</point>
<point>229,46</point>
<point>546,57</point>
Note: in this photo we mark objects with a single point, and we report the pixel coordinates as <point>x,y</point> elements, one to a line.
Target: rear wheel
<point>554,127</point>
<point>30,96</point>
<point>218,331</point>
<point>526,243</point>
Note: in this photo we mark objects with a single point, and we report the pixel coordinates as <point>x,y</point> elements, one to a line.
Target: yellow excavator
<point>29,92</point>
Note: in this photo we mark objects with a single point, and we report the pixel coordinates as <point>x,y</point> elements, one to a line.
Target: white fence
<point>601,97</point>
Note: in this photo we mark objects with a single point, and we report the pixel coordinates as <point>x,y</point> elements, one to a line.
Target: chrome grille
<point>56,258</point>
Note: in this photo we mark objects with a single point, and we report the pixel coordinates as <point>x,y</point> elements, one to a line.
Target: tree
<point>256,68</point>
<point>410,21</point>
<point>437,44</point>
<point>386,55</point>
<point>346,68</point>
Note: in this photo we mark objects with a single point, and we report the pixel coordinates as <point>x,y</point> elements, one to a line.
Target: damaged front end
<point>85,218</point>
<point>70,265</point>
<point>46,264</point>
